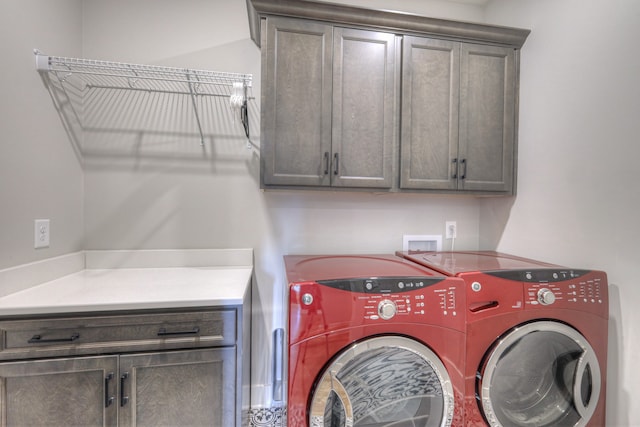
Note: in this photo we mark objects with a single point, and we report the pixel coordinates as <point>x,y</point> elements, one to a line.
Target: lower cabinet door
<point>59,392</point>
<point>183,388</point>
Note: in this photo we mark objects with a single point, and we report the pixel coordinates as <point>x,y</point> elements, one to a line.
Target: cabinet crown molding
<point>382,20</point>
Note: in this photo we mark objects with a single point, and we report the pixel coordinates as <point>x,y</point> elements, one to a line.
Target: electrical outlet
<point>451,229</point>
<point>41,233</point>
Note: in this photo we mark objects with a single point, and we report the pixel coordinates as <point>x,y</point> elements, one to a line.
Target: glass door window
<point>383,381</point>
<point>540,374</point>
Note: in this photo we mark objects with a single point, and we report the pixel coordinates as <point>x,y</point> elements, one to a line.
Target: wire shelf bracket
<point>85,75</point>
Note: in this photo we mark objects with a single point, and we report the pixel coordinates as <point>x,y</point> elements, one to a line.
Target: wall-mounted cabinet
<point>383,101</point>
<point>329,106</point>
<point>458,116</point>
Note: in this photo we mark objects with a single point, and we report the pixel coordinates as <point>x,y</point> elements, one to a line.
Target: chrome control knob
<point>387,309</point>
<point>546,296</point>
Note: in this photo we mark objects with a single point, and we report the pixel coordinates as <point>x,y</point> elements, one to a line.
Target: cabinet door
<point>429,134</point>
<point>487,117</point>
<point>59,392</point>
<point>296,103</point>
<point>365,108</point>
<point>187,388</point>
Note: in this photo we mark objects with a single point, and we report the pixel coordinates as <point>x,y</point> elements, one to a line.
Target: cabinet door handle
<point>336,169</point>
<point>464,168</point>
<point>162,332</point>
<point>326,163</point>
<point>108,400</point>
<point>455,168</point>
<point>36,339</point>
<point>123,399</point>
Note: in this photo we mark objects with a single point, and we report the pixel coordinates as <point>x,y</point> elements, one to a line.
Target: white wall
<point>578,199</point>
<point>186,198</point>
<point>40,174</point>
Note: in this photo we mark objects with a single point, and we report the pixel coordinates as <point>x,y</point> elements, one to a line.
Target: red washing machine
<point>373,341</point>
<point>536,352</point>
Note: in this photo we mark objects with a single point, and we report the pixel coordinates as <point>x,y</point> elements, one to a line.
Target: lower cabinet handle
<point>123,399</point>
<point>336,169</point>
<point>38,339</point>
<point>108,400</point>
<point>326,163</point>
<point>455,168</point>
<point>464,170</point>
<point>162,332</point>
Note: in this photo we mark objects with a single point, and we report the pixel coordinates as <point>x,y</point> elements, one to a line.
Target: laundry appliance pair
<point>444,339</point>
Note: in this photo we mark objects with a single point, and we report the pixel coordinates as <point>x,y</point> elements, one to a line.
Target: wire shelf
<point>91,89</point>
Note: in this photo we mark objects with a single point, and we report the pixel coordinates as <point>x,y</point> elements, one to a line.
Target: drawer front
<point>101,334</point>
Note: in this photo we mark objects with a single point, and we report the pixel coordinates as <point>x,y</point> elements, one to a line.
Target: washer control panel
<point>401,298</point>
<point>382,285</point>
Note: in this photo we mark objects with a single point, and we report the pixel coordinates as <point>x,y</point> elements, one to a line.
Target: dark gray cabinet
<point>430,107</point>
<point>59,392</point>
<point>486,160</point>
<point>186,388</point>
<point>329,106</point>
<point>160,369</point>
<point>333,117</point>
<point>296,109</point>
<point>458,116</point>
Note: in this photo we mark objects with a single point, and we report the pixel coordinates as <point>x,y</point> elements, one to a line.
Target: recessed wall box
<point>421,242</point>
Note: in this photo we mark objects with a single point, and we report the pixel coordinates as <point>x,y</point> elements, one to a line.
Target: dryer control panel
<point>577,292</point>
<point>495,292</point>
<point>561,288</point>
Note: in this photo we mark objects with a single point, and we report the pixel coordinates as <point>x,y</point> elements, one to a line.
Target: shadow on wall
<point>153,121</point>
<point>494,216</point>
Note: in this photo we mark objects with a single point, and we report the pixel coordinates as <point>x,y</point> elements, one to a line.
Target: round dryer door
<point>540,374</point>
<point>383,381</point>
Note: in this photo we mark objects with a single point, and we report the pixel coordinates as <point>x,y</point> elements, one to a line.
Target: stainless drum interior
<point>383,381</point>
<point>543,373</point>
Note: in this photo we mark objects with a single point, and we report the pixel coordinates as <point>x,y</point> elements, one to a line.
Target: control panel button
<point>546,296</point>
<point>307,299</point>
<point>476,286</point>
<point>387,309</point>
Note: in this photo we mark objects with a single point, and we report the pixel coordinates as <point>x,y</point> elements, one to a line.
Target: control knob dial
<point>546,296</point>
<point>387,309</point>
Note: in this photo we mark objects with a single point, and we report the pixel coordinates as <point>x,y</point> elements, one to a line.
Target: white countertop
<point>113,289</point>
<point>131,289</point>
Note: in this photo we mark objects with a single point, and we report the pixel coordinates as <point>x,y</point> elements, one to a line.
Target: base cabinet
<point>62,392</point>
<point>156,369</point>
<point>185,388</point>
<point>189,388</point>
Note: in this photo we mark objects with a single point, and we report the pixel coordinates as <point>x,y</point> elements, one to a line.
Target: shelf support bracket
<point>192,91</point>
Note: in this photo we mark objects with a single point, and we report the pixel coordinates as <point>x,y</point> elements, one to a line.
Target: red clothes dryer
<point>373,341</point>
<point>536,352</point>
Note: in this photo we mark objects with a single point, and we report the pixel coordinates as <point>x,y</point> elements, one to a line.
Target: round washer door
<point>383,381</point>
<point>540,374</point>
